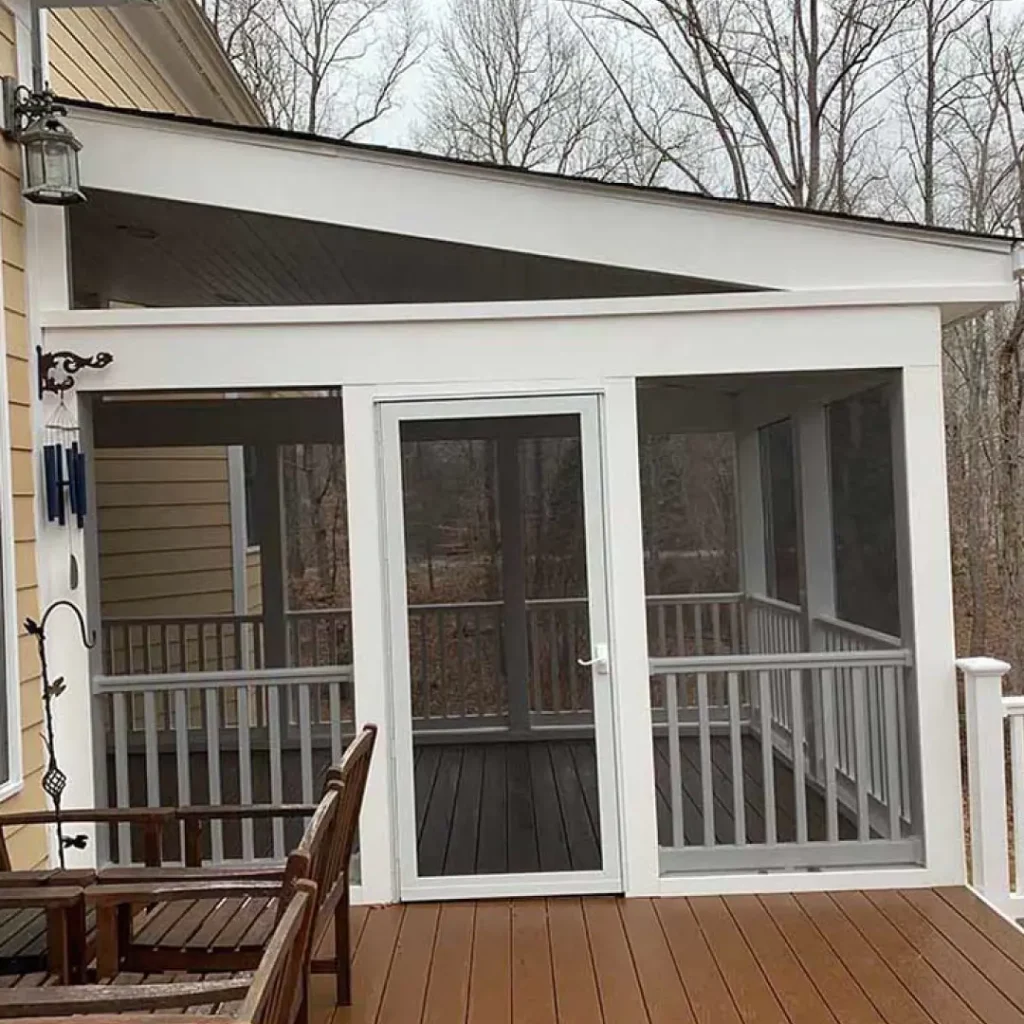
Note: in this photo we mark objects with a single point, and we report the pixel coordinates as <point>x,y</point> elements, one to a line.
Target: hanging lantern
<point>33,118</point>
<point>51,163</point>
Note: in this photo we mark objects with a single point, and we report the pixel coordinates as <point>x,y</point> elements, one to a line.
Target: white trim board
<point>408,195</point>
<point>235,357</point>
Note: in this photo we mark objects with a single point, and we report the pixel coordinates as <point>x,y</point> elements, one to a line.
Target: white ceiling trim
<point>953,296</point>
<point>548,217</point>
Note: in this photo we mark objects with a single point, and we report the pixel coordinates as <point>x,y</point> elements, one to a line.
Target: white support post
<point>378,849</point>
<point>817,563</point>
<point>986,777</point>
<point>630,668</point>
<point>752,563</point>
<point>270,529</point>
<point>513,585</point>
<point>919,426</point>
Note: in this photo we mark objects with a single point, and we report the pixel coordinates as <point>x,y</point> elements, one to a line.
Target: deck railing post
<point>986,776</point>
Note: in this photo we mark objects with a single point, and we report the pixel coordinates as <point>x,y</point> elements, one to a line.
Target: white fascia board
<point>403,194</point>
<point>191,355</point>
<point>545,309</point>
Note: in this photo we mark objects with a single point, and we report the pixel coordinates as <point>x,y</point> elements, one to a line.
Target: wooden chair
<point>172,937</point>
<point>273,995</point>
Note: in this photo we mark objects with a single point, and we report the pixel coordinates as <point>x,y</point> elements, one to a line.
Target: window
<point>864,511</point>
<point>778,482</point>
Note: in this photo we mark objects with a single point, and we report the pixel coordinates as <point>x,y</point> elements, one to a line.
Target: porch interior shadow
<point>521,807</point>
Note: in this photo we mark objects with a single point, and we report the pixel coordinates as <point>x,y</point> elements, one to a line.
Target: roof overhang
<point>327,182</point>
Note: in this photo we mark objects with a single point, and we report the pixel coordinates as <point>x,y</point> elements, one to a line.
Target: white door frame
<point>390,415</point>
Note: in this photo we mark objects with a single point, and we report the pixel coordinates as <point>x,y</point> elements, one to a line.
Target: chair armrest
<point>45,897</point>
<point>92,815</point>
<point>21,879</point>
<point>168,892</point>
<point>173,873</point>
<point>59,1000</point>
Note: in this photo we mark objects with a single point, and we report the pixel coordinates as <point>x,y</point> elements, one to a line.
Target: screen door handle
<point>599,662</point>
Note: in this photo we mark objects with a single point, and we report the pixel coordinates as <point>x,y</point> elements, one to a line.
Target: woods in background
<point>906,109</point>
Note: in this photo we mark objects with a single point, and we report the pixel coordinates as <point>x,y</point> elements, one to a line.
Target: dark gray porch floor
<point>492,808</point>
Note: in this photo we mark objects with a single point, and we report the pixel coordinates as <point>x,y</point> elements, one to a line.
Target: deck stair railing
<point>995,757</point>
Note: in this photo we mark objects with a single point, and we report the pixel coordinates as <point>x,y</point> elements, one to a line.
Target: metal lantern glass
<point>51,162</point>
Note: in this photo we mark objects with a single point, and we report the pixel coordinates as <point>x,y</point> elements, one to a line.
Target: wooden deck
<point>894,957</point>
<point>491,808</point>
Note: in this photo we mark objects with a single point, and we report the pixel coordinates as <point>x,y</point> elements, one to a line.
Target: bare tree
<point>322,66</point>
<point>512,83</point>
<point>786,90</point>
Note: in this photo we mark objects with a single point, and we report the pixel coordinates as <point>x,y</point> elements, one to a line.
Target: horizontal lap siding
<point>93,57</point>
<point>164,532</point>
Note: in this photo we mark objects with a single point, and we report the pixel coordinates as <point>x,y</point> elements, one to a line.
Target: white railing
<point>197,755</point>
<point>728,810</point>
<point>995,741</point>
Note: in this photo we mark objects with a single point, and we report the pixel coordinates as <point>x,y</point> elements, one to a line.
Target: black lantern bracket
<point>57,370</point>
<point>24,106</point>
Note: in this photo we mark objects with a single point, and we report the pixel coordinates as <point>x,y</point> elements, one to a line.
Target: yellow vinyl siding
<point>164,532</point>
<point>253,582</point>
<point>92,57</point>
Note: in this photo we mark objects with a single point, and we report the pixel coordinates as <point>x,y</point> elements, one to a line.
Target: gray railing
<point>828,811</point>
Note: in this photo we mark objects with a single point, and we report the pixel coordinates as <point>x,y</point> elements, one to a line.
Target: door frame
<point>390,413</point>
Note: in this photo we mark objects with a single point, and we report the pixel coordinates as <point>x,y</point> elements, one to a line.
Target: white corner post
<point>378,850</point>
<point>752,563</point>
<point>270,518</point>
<point>631,692</point>
<point>918,436</point>
<point>986,777</point>
<point>817,563</point>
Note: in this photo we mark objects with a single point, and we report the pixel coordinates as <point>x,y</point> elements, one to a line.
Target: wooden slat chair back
<point>273,995</point>
<point>349,778</point>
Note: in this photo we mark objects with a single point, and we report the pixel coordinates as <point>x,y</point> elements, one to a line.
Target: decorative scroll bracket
<point>57,370</point>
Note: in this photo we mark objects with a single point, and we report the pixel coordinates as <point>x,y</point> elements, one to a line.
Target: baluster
<point>675,770</point>
<point>1017,796</point>
<point>334,696</point>
<point>892,754</point>
<point>799,757</point>
<point>245,769</point>
<point>680,631</point>
<point>901,718</point>
<point>442,662</point>
<point>739,810</point>
<point>276,765</point>
<point>305,745</point>
<point>698,630</point>
<point>481,677</point>
<point>213,771</point>
<point>460,677</point>
<point>181,755</point>
<point>421,622</point>
<point>860,742</point>
<point>828,701</point>
<point>121,792</point>
<point>556,695</point>
<point>706,781</point>
<point>735,647</point>
<point>152,749</point>
<point>767,759</point>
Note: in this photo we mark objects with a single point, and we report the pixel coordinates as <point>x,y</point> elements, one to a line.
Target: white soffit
<point>409,195</point>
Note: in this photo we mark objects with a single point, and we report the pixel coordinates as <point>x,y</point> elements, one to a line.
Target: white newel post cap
<point>982,666</point>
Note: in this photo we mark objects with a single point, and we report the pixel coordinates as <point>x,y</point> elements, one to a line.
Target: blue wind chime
<point>64,473</point>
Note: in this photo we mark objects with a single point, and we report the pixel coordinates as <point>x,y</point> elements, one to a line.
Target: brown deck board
<point>447,996</point>
<point>662,990</point>
<point>621,997</point>
<point>533,990</point>
<point>411,961</point>
<point>927,986</point>
<point>490,980</point>
<point>576,995</point>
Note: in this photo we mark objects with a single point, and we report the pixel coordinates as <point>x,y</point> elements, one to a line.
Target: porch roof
<point>729,244</point>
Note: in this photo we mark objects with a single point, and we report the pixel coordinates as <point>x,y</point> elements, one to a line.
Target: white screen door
<point>499,646</point>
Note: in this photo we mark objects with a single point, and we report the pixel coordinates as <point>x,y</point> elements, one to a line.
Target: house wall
<point>94,57</point>
<point>164,532</point>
